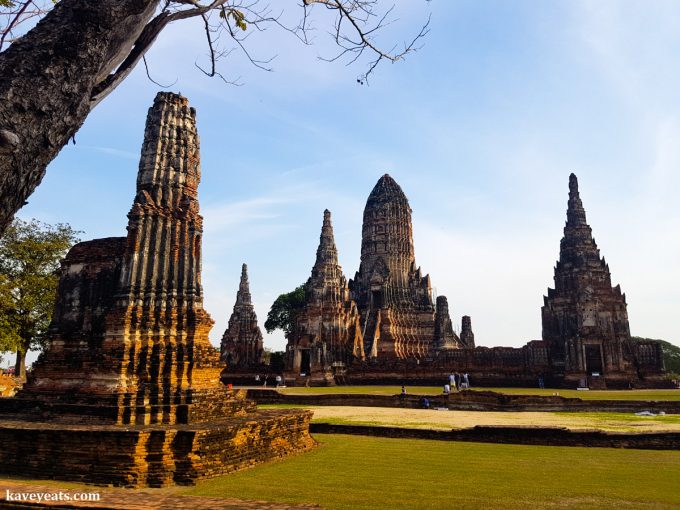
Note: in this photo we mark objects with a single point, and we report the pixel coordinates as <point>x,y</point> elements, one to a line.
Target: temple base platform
<point>150,455</point>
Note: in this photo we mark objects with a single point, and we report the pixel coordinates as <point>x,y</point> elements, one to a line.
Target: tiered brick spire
<point>326,253</point>
<point>242,341</point>
<point>327,332</point>
<point>243,295</point>
<point>585,321</point>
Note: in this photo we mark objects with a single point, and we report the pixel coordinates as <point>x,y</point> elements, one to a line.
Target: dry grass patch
<point>446,420</point>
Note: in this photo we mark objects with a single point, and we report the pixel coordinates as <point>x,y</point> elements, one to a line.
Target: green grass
<point>436,390</point>
<point>354,472</point>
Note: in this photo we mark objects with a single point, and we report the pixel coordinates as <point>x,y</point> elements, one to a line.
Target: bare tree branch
<point>18,14</point>
<point>148,75</point>
<point>357,15</point>
<point>55,73</point>
<point>354,27</point>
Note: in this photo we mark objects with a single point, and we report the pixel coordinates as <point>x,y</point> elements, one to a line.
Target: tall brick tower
<point>137,301</point>
<point>585,322</point>
<point>394,298</point>
<point>160,318</point>
<point>128,391</point>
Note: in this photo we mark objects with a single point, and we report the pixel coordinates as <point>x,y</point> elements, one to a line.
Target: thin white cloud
<point>240,214</point>
<point>111,151</point>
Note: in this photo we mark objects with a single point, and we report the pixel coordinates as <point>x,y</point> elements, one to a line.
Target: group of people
<point>263,380</point>
<point>457,382</point>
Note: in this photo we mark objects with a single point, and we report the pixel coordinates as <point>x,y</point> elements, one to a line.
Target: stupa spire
<point>242,343</point>
<point>326,253</point>
<point>577,245</point>
<point>576,214</point>
<point>243,294</point>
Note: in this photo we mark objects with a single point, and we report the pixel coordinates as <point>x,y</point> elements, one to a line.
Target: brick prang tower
<point>394,298</point>
<point>242,344</point>
<point>585,321</point>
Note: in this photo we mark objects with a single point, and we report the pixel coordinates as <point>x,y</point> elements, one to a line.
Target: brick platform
<point>153,456</point>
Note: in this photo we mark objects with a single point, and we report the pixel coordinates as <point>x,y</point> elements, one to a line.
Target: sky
<point>481,128</point>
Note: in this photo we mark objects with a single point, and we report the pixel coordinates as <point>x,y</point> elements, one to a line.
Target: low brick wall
<point>468,401</point>
<point>515,435</point>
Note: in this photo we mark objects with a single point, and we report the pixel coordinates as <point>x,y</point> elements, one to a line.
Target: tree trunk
<point>51,78</point>
<point>20,365</point>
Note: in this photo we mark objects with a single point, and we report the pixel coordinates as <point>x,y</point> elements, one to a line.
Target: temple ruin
<point>386,312</point>
<point>327,336</point>
<point>585,319</point>
<point>409,338</point>
<point>241,344</point>
<point>128,391</point>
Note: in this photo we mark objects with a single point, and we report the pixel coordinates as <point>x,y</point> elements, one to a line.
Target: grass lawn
<point>436,390</point>
<point>354,472</point>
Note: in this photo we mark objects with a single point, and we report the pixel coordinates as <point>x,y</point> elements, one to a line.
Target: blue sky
<point>481,128</point>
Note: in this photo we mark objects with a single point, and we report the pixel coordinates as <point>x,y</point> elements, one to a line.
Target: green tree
<point>30,253</point>
<point>285,310</point>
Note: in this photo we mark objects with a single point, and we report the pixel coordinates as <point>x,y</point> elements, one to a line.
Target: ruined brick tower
<point>129,357</point>
<point>445,336</point>
<point>585,322</point>
<point>394,298</point>
<point>242,341</point>
<point>467,337</point>
<point>138,301</point>
<point>327,335</point>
